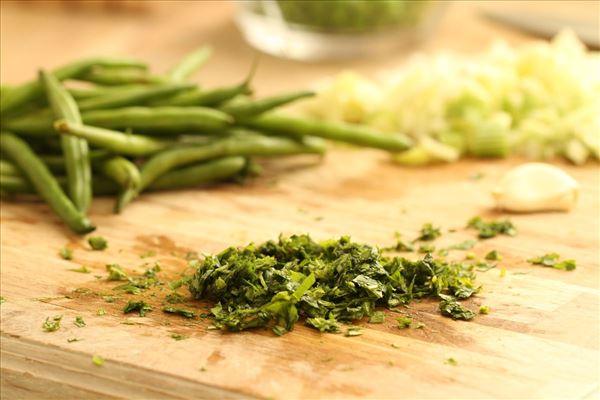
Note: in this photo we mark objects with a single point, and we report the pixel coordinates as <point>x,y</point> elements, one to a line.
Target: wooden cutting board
<point>539,340</point>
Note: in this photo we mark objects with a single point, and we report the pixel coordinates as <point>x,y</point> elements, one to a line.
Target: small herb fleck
<point>449,307</point>
<point>470,256</point>
<point>140,306</point>
<point>116,273</point>
<point>404,322</point>
<point>97,242</point>
<point>394,345</point>
<point>482,266</point>
<point>175,298</point>
<point>109,299</point>
<point>100,312</point>
<point>464,245</point>
<point>420,325</point>
<point>179,311</point>
<point>2,299</point>
<point>426,248</point>
<point>97,360</point>
<point>324,324</point>
<point>79,322</point>
<point>66,253</point>
<point>149,253</point>
<point>451,361</point>
<point>52,324</point>
<point>378,317</point>
<point>484,310</point>
<point>400,245</point>
<point>178,336</point>
<point>74,339</point>
<point>502,272</point>
<point>552,260</point>
<point>428,233</point>
<point>493,256</point>
<point>83,269</point>
<point>354,331</point>
<point>492,228</point>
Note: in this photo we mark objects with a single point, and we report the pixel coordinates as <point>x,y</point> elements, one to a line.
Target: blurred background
<point>50,33</point>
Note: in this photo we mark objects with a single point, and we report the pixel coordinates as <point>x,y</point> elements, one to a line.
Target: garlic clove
<point>535,187</point>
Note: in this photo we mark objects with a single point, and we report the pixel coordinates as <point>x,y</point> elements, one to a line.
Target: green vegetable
<point>179,311</point>
<point>97,360</point>
<point>428,232</point>
<point>336,280</point>
<point>75,150</point>
<point>131,97</point>
<point>52,324</point>
<point>493,256</point>
<point>44,183</point>
<point>244,110</point>
<point>484,310</point>
<point>404,322</point>
<point>97,242</point>
<point>79,322</point>
<point>378,317</point>
<point>189,64</point>
<point>453,309</point>
<point>117,76</point>
<point>66,253</point>
<point>492,228</point>
<point>140,306</point>
<point>553,260</point>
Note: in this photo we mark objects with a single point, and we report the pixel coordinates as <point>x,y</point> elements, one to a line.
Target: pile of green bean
<point>126,130</point>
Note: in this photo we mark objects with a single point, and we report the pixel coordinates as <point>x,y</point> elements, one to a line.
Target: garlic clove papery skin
<point>535,187</point>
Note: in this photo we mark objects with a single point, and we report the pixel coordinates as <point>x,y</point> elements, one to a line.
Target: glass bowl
<point>336,29</point>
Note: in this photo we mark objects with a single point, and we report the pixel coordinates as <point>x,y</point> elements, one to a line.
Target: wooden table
<point>540,339</point>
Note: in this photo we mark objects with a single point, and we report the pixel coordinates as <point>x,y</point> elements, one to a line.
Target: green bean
<point>95,91</point>
<point>113,76</point>
<point>159,119</point>
<point>210,171</point>
<point>125,174</point>
<point>26,92</point>
<point>131,97</point>
<point>208,98</point>
<point>20,185</point>
<point>189,64</point>
<point>36,123</point>
<point>75,150</point>
<point>247,109</point>
<point>353,134</point>
<point>8,168</point>
<point>15,184</point>
<point>44,183</point>
<point>114,141</point>
<point>56,163</point>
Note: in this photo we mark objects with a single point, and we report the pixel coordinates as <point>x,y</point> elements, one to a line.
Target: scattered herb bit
<point>449,307</point>
<point>74,339</point>
<point>97,242</point>
<point>442,252</point>
<point>2,299</point>
<point>400,245</point>
<point>552,260</point>
<point>97,360</point>
<point>404,322</point>
<point>354,331</point>
<point>175,298</point>
<point>100,312</point>
<point>426,248</point>
<point>475,176</point>
<point>470,256</point>
<point>394,345</point>
<point>179,311</point>
<point>428,233</point>
<point>324,324</point>
<point>482,266</point>
<point>492,228</point>
<point>378,317</point>
<point>83,269</point>
<point>116,273</point>
<point>420,325</point>
<point>279,330</point>
<point>140,306</point>
<point>484,310</point>
<point>79,322</point>
<point>520,273</point>
<point>203,369</point>
<point>151,272</point>
<point>178,336</point>
<point>275,283</point>
<point>464,245</point>
<point>109,299</point>
<point>149,253</point>
<point>180,282</point>
<point>451,361</point>
<point>502,272</point>
<point>66,253</point>
<point>493,256</point>
<point>52,324</point>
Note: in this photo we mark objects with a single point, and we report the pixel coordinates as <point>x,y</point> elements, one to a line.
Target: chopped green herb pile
<point>79,322</point>
<point>453,309</point>
<point>52,324</point>
<point>275,283</point>
<point>140,306</point>
<point>492,228</point>
<point>66,253</point>
<point>552,260</point>
<point>428,232</point>
<point>97,242</point>
<point>179,311</point>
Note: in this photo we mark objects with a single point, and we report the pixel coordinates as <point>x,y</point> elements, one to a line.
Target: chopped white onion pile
<point>541,101</point>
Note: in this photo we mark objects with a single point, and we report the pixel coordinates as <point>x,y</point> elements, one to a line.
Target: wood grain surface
<point>541,339</point>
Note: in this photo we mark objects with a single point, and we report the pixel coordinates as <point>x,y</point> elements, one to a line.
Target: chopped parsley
<point>151,272</point>
<point>483,266</point>
<point>97,242</point>
<point>79,322</point>
<point>149,253</point>
<point>378,317</point>
<point>400,245</point>
<point>83,269</point>
<point>552,260</point>
<point>426,248</point>
<point>175,298</point>
<point>52,324</point>
<point>116,273</point>
<point>464,245</point>
<point>470,256</point>
<point>66,253</point>
<point>100,312</point>
<point>404,322</point>
<point>493,256</point>
<point>449,307</point>
<point>97,360</point>
<point>491,229</point>
<point>179,311</point>
<point>428,233</point>
<point>140,306</point>
<point>277,282</point>
<point>484,310</point>
<point>451,361</point>
<point>180,282</point>
<point>178,336</point>
<point>354,331</point>
<point>502,272</point>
